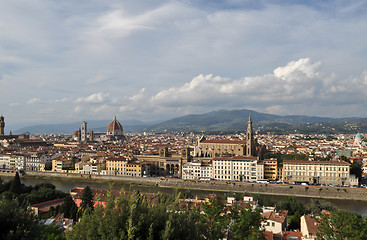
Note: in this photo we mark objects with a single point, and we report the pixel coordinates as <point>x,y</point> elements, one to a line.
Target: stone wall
<point>271,189</point>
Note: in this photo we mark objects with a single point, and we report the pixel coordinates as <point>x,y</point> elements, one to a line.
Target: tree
<point>69,207</point>
<point>291,204</point>
<point>247,223</point>
<point>87,199</point>
<point>342,225</point>
<point>16,185</point>
<point>295,221</point>
<point>356,169</point>
<point>16,222</point>
<point>213,219</point>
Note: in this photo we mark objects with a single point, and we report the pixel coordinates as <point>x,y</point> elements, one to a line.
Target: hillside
<point>221,121</point>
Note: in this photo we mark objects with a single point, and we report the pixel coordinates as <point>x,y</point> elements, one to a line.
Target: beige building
<point>197,170</point>
<point>63,164</point>
<point>316,172</point>
<point>235,168</point>
<point>229,148</point>
<point>166,163</point>
<point>274,221</point>
<point>216,148</point>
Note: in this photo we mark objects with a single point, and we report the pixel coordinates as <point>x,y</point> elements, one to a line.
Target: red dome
<point>114,126</point>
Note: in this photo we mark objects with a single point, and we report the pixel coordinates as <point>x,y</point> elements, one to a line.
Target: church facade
<point>229,148</point>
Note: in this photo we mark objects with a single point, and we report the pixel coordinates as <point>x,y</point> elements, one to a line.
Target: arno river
<point>65,185</point>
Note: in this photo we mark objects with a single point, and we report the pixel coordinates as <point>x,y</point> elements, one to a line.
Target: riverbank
<point>343,193</point>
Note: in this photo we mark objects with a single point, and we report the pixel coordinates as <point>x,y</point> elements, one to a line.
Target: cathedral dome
<point>115,130</point>
<point>114,126</point>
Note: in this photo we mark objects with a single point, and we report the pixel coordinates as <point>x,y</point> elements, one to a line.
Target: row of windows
<point>315,168</point>
<point>318,174</point>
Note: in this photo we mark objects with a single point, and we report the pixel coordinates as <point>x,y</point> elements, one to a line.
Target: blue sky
<point>66,61</point>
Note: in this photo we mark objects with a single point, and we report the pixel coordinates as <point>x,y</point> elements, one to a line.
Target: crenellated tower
<point>2,125</point>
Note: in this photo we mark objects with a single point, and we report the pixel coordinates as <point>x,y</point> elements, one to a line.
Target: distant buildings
<point>114,132</point>
<point>316,172</point>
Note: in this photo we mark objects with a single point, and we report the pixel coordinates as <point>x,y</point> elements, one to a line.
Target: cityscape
<point>183,120</point>
<point>294,164</point>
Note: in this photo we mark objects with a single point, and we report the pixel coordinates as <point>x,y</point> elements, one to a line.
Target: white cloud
<point>14,104</point>
<point>292,88</point>
<point>78,109</point>
<point>189,57</point>
<point>34,101</point>
<point>94,98</point>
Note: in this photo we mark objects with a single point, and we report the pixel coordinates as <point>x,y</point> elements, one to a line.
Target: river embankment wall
<point>261,188</point>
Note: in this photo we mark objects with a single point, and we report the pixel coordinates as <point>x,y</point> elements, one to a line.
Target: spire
<point>249,138</point>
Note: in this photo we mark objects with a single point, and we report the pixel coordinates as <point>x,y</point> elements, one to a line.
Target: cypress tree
<point>16,185</point>
<point>87,199</point>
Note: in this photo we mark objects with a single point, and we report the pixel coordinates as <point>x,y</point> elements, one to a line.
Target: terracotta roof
<point>114,125</point>
<point>279,216</point>
<point>311,223</point>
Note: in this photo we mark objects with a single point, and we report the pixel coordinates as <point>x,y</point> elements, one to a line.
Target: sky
<point>75,60</point>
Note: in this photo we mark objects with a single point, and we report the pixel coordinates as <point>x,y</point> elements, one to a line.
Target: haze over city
<point>65,61</point>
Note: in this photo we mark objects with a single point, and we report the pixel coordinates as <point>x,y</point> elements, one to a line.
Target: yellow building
<point>271,169</point>
<point>125,167</point>
<point>62,164</point>
<point>316,172</point>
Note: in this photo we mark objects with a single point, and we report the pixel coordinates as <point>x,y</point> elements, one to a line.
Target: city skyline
<point>68,61</point>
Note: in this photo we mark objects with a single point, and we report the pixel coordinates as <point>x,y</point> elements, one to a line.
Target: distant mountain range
<point>221,121</point>
<point>69,128</point>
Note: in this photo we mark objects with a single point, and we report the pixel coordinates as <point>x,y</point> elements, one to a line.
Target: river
<point>66,185</point>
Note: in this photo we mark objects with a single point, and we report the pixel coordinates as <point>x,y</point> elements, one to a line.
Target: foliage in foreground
<point>134,217</point>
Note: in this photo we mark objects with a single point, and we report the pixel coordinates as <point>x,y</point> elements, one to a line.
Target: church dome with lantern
<point>115,130</point>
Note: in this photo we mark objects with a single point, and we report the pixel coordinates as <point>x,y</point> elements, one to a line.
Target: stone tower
<point>83,132</point>
<point>249,139</point>
<point>2,125</point>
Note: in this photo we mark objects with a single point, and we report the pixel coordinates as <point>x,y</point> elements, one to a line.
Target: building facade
<point>316,172</point>
<point>235,168</point>
<point>197,171</point>
<point>271,169</point>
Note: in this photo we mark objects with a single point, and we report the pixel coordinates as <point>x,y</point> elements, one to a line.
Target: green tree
<point>16,185</point>
<point>341,225</point>
<point>291,204</point>
<point>213,219</point>
<point>247,223</point>
<point>356,169</point>
<point>87,199</point>
<point>295,221</point>
<point>16,222</point>
<point>69,208</point>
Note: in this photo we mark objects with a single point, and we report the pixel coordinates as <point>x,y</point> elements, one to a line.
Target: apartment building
<point>197,170</point>
<point>316,172</point>
<point>235,168</point>
<point>5,161</point>
<point>271,169</point>
<point>125,167</point>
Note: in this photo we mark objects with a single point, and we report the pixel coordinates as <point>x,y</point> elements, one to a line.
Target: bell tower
<point>249,138</point>
<point>2,125</point>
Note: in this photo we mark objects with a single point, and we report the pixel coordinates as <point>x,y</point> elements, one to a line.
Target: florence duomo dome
<point>115,130</point>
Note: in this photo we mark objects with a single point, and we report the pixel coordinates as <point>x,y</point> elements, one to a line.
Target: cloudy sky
<point>74,60</point>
